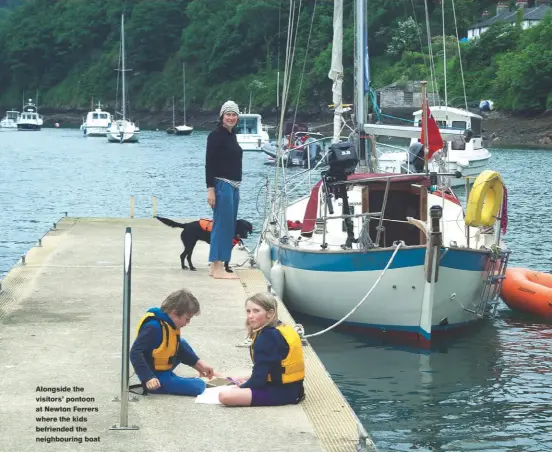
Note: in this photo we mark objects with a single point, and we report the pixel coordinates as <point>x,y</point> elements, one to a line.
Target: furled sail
<point>336,70</point>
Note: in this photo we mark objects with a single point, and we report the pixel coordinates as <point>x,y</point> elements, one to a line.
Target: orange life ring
<point>528,291</point>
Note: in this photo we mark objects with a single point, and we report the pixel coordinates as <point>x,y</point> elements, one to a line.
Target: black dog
<point>195,231</point>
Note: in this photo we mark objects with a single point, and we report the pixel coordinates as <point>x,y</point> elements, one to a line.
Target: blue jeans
<point>172,384</point>
<point>225,214</point>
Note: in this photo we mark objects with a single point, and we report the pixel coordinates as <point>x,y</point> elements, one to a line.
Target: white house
<point>531,16</point>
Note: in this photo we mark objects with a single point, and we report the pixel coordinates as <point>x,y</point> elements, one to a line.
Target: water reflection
<point>468,394</point>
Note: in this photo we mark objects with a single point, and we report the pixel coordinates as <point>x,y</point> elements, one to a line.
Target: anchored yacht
<point>96,123</point>
<point>462,133</point>
<point>10,120</point>
<point>29,119</point>
<point>250,133</point>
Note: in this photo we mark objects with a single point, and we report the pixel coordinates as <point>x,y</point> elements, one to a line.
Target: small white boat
<point>10,120</point>
<point>29,119</point>
<point>462,153</point>
<point>96,123</point>
<point>183,129</point>
<point>123,130</point>
<point>250,133</point>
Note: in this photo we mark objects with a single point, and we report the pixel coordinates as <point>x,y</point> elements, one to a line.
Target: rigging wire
<point>444,52</point>
<point>304,64</point>
<point>419,33</point>
<point>431,60</point>
<point>459,56</point>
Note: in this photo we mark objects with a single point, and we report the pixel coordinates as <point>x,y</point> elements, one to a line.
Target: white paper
<point>211,395</point>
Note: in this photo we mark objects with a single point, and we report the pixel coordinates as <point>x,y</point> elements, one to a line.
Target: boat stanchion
<point>127,268</point>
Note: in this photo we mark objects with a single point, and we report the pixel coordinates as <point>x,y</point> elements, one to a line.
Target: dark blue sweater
<point>149,338</point>
<point>223,157</point>
<point>269,349</point>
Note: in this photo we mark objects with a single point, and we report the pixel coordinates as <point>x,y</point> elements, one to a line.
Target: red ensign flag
<point>434,139</point>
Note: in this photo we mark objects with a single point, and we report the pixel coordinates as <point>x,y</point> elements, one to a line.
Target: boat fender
<point>263,259</point>
<point>277,279</point>
<point>485,199</point>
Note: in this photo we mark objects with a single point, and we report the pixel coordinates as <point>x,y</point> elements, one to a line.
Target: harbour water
<point>489,390</point>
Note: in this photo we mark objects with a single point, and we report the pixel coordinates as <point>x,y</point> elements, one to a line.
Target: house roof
<point>537,13</point>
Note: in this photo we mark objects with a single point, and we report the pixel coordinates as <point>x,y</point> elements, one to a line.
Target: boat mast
<point>184,91</point>
<point>361,78</point>
<point>123,62</point>
<point>173,110</point>
<point>336,69</point>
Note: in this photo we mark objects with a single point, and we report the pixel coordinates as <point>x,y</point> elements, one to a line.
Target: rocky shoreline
<point>501,129</point>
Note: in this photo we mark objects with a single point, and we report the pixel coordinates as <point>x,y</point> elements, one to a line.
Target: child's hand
<point>153,384</point>
<point>204,369</point>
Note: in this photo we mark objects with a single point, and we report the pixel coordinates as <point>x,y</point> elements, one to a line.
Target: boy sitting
<point>158,348</point>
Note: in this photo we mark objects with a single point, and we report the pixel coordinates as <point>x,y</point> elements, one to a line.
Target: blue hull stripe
<point>391,328</point>
<point>376,260</point>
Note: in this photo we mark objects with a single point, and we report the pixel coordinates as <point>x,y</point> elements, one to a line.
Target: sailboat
<point>172,129</point>
<point>123,130</point>
<point>384,253</point>
<point>183,129</point>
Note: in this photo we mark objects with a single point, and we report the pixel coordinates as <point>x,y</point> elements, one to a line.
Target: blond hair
<point>267,302</point>
<point>181,302</point>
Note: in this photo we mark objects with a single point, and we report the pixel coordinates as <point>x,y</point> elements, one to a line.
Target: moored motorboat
<point>528,291</point>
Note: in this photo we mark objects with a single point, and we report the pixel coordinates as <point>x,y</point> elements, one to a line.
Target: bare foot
<point>225,275</point>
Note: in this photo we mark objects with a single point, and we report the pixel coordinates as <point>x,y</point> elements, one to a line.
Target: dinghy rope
<point>301,330</point>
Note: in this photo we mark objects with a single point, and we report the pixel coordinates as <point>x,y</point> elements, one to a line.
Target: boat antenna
<point>278,59</point>
<point>183,92</point>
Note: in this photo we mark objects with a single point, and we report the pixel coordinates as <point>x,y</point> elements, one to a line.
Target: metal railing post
<point>127,271</point>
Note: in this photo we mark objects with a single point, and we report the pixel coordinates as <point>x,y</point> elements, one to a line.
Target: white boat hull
<point>328,285</point>
<point>251,142</point>
<point>183,130</point>
<point>8,124</point>
<point>123,132</point>
<point>95,131</point>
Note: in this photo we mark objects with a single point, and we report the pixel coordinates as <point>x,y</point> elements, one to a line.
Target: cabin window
<point>459,125</point>
<point>94,116</point>
<point>458,143</point>
<point>441,123</point>
<point>103,116</point>
<point>477,127</point>
<point>247,126</point>
<point>402,202</point>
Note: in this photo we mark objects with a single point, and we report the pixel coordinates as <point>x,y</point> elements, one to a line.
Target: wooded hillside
<point>68,50</point>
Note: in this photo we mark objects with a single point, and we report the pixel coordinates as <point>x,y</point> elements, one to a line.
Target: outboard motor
<point>415,160</point>
<point>342,160</point>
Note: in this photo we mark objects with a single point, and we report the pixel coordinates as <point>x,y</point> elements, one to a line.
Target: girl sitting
<point>277,354</point>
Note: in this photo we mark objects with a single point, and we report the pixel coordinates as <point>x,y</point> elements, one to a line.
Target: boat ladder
<point>494,276</point>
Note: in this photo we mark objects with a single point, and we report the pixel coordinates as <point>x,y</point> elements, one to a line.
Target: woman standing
<point>223,173</point>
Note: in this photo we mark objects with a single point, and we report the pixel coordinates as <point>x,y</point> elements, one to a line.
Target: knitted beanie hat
<point>229,106</point>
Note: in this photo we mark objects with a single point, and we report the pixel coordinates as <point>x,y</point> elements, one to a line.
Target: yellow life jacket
<point>293,365</point>
<point>206,224</point>
<point>163,356</point>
